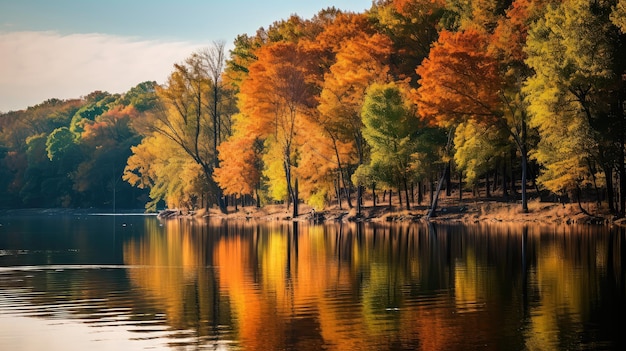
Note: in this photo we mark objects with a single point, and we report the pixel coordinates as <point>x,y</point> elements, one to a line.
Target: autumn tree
<point>390,129</point>
<point>152,166</point>
<point>475,73</point>
<point>361,61</point>
<point>576,96</point>
<point>460,82</point>
<point>107,140</point>
<point>479,148</point>
<point>618,15</point>
<point>190,115</point>
<point>240,162</point>
<point>412,26</point>
<point>276,96</point>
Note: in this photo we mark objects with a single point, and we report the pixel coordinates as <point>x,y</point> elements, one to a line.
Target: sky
<point>68,48</point>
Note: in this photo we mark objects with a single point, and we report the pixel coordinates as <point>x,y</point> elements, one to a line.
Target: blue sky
<point>69,48</point>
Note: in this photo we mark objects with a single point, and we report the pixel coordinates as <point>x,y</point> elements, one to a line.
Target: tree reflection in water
<point>393,286</point>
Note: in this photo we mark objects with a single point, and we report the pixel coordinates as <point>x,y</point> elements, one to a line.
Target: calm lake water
<point>100,282</point>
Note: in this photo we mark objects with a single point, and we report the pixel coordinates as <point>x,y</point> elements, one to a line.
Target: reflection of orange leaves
<point>459,80</point>
<point>170,264</point>
<point>235,259</point>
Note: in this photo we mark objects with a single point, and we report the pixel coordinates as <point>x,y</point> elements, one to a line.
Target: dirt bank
<point>450,212</point>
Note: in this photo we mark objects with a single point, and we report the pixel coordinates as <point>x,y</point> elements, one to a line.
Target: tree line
<point>321,110</point>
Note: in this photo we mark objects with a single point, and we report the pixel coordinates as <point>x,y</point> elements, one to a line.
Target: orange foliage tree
<point>361,61</point>
<point>276,96</point>
<point>459,81</point>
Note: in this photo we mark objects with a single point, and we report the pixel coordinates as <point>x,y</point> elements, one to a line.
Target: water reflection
<point>258,286</point>
<point>349,286</point>
<point>177,277</point>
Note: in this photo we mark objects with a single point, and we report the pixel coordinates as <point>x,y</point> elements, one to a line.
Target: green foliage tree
<point>572,51</point>
<point>390,128</point>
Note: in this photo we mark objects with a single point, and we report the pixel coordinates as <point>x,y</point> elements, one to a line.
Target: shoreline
<point>451,212</point>
<point>467,212</point>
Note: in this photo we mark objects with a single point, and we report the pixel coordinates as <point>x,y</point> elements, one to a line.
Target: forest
<point>411,97</point>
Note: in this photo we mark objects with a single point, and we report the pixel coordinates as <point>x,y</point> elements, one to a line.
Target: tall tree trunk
<point>359,199</point>
<point>347,189</point>
<point>287,166</point>
<point>610,192</point>
<point>295,200</point>
<point>494,184</point>
<point>505,191</point>
<point>432,192</point>
<point>433,208</point>
<point>622,176</point>
<point>338,192</point>
<point>374,195</point>
<point>524,153</point>
<point>406,191</point>
<point>420,193</point>
<point>592,171</point>
<point>448,179</point>
<point>258,199</point>
<point>513,177</point>
<point>487,188</point>
<point>460,186</point>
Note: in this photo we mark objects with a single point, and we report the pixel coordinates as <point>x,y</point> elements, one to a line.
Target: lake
<point>103,282</point>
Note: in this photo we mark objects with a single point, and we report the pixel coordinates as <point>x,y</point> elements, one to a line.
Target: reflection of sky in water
<point>68,334</point>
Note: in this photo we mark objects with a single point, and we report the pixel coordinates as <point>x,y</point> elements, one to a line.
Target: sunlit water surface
<point>97,282</point>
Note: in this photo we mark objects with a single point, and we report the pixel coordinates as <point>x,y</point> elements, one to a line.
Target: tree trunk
<point>494,184</point>
<point>433,208</point>
<point>338,191</point>
<point>359,199</point>
<point>258,199</point>
<point>622,181</point>
<point>487,188</point>
<point>346,188</point>
<point>505,191</point>
<point>524,152</point>
<point>592,171</point>
<point>420,193</point>
<point>460,186</point>
<point>406,192</point>
<point>524,172</point>
<point>432,192</point>
<point>448,179</point>
<point>374,195</point>
<point>513,178</point>
<point>295,200</point>
<point>610,191</point>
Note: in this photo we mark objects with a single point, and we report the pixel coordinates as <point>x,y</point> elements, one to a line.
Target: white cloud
<point>35,66</point>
